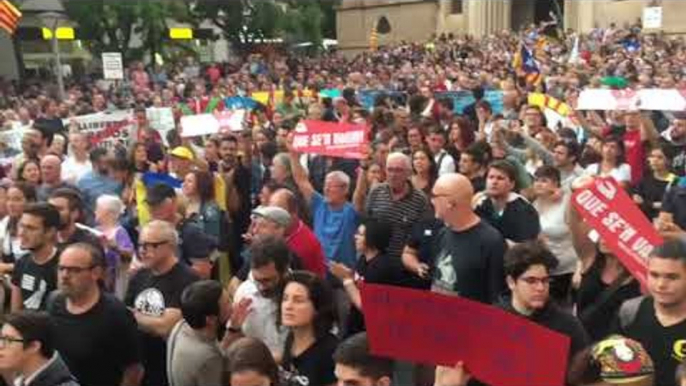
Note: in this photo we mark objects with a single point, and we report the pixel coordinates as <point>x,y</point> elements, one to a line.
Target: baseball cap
<point>182,152</point>
<point>622,360</point>
<point>275,214</point>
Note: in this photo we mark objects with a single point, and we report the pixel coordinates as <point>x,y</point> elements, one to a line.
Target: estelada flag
<point>9,16</point>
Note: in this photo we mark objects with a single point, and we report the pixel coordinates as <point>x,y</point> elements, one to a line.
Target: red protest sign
<point>497,347</point>
<point>345,140</point>
<point>624,229</point>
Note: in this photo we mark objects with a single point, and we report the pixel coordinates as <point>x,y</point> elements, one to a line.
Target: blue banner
<point>461,99</point>
<point>239,102</point>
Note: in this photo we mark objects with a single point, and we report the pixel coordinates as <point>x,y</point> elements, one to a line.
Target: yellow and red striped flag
<point>9,16</point>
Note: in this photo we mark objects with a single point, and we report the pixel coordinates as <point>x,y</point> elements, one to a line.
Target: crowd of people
<point>234,259</point>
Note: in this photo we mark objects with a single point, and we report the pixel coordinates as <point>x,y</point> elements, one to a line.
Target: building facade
<point>418,20</point>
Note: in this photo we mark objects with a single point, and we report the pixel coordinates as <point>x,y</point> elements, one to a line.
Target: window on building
<point>456,6</point>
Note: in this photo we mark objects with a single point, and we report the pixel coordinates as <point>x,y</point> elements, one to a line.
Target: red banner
<point>332,139</point>
<point>498,348</point>
<point>624,229</point>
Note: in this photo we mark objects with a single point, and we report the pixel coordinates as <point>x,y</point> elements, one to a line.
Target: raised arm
<point>300,175</point>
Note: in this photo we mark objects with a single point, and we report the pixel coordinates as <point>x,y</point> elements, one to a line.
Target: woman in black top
<point>650,190</point>
<point>373,266</point>
<point>601,281</point>
<point>307,310</point>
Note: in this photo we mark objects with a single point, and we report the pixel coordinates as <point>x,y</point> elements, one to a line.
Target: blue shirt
<point>94,185</point>
<point>335,229</point>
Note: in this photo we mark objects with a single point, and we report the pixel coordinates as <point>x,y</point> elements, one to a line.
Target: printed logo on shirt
<point>679,350</point>
<point>447,278</point>
<point>28,282</point>
<point>34,301</point>
<point>150,302</point>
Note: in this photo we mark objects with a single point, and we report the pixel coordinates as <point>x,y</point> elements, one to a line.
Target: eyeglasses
<point>144,246</point>
<point>6,340</point>
<point>73,270</point>
<point>536,280</point>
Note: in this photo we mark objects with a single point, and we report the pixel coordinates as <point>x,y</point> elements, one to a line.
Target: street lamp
<point>55,18</point>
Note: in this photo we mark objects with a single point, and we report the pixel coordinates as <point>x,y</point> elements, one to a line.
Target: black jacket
<point>56,374</point>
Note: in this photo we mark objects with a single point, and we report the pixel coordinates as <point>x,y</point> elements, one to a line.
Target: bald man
<point>299,237</point>
<point>468,252</point>
<point>51,175</point>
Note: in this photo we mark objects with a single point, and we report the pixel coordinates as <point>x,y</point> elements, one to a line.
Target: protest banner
<point>652,18</point>
<point>497,348</point>
<point>609,210</point>
<point>161,119</point>
<point>276,97</point>
<point>646,99</point>
<point>462,99</point>
<point>112,65</point>
<point>197,125</point>
<point>106,129</point>
<point>332,139</point>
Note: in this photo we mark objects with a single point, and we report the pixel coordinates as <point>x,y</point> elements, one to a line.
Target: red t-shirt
<point>304,243</point>
<point>635,154</point>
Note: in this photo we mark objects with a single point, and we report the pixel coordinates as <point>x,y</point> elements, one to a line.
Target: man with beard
<point>237,178</point>
<point>194,356</point>
<point>35,275</point>
<point>675,140</point>
<point>269,262</point>
<point>98,182</point>
<point>68,202</point>
<point>94,332</point>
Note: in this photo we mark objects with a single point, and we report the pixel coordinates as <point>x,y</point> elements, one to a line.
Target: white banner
<point>652,18</point>
<point>197,125</point>
<point>112,65</point>
<point>161,119</point>
<point>106,129</point>
<point>647,99</point>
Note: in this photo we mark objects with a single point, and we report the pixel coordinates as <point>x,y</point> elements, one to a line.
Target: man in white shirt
<point>444,161</point>
<point>269,262</point>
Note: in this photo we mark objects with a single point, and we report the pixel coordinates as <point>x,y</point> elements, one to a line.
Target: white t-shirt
<point>622,173</point>
<point>447,164</point>
<point>73,170</point>
<point>261,321</point>
<point>557,234</point>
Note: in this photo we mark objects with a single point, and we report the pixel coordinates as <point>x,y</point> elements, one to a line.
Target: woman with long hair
<point>307,310</point>
<point>18,195</point>
<point>612,162</point>
<point>460,137</point>
<point>29,172</point>
<point>198,188</point>
<point>425,170</point>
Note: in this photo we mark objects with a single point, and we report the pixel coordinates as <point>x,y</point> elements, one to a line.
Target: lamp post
<point>55,18</point>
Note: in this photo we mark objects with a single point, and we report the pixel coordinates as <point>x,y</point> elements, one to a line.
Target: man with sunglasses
<point>93,331</point>
<point>527,270</point>
<point>154,295</point>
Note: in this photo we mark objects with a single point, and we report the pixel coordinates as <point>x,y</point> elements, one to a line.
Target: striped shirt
<point>401,214</point>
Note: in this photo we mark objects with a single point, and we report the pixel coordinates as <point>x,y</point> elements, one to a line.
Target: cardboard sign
<point>230,120</point>
<point>106,129</point>
<point>332,139</point>
<point>112,65</point>
<point>609,210</point>
<point>652,18</point>
<point>197,125</point>
<point>498,348</point>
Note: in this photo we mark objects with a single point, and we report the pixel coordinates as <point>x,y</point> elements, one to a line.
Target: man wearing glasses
<point>27,349</point>
<point>154,295</point>
<point>35,275</point>
<point>94,332</point>
<point>527,270</point>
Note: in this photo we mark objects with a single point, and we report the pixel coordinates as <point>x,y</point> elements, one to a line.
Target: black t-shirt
<point>665,345</point>
<point>35,281</point>
<point>194,243</point>
<point>316,363</point>
<point>378,270</point>
<point>470,263</point>
<point>422,238</point>
<point>599,323</point>
<point>519,221</point>
<point>151,295</point>
<point>98,345</point>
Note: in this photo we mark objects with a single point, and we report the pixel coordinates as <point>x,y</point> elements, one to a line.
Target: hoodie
<point>54,373</point>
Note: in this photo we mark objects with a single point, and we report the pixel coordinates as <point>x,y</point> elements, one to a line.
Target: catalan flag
<point>526,66</point>
<point>9,16</point>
